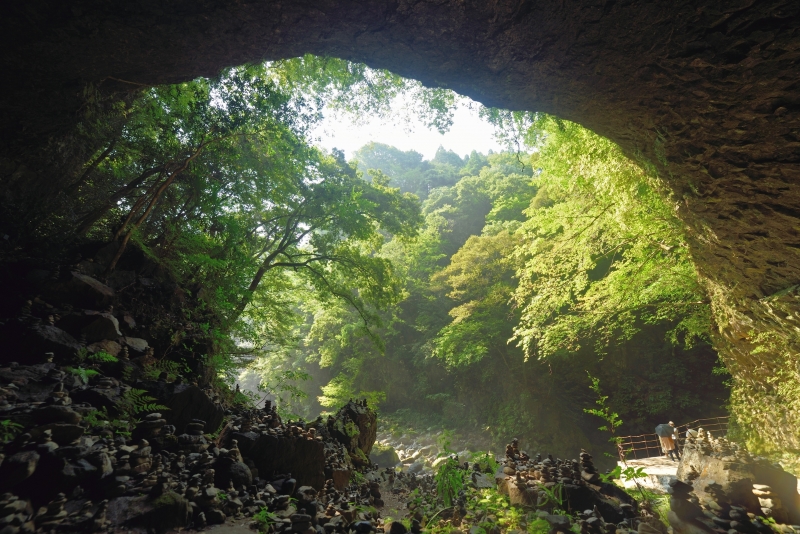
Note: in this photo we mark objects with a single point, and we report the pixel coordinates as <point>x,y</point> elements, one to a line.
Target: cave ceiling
<point>707,91</point>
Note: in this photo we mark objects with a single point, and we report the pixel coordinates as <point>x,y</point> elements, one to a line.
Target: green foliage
<point>450,479</point>
<point>608,255</point>
<point>486,462</point>
<point>603,411</point>
<point>553,497</point>
<point>357,477</point>
<point>282,385</point>
<point>9,430</point>
<point>101,418</point>
<point>137,401</point>
<point>264,520</point>
<point>103,357</point>
<point>494,509</point>
<point>173,369</point>
<point>361,90</point>
<point>655,503</point>
<point>84,374</point>
<point>443,348</point>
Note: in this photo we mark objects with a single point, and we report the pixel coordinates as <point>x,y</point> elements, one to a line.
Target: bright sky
<point>468,133</point>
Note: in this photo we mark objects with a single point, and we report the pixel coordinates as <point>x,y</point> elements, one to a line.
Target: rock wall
<point>724,475</point>
<point>706,92</point>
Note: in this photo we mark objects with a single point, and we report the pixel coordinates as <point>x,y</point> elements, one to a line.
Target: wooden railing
<point>648,445</point>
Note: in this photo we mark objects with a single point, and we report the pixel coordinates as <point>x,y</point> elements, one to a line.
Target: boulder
<point>185,402</point>
<point>384,456</point>
<point>355,425</point>
<point>303,458</point>
<point>416,467</point>
<point>396,527</point>
<point>80,291</point>
<point>681,526</point>
<point>102,326</point>
<point>227,470</point>
<point>135,343</point>
<point>167,512</point>
<point>17,468</point>
<point>106,345</point>
<point>27,344</point>
<point>482,480</point>
<point>736,477</point>
<point>558,523</point>
<point>56,414</point>
<point>119,279</point>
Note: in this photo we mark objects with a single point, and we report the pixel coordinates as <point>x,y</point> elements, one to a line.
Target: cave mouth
<point>189,115</point>
<point>706,93</point>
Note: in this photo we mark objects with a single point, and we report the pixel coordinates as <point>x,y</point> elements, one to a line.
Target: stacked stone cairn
<point>771,504</point>
<point>61,474</point>
<point>724,505</point>
<point>532,481</point>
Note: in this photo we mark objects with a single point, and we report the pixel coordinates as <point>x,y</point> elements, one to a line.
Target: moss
<point>379,448</point>
<point>168,499</point>
<point>351,430</point>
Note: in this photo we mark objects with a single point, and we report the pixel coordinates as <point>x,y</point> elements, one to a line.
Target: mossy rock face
<point>355,426</point>
<point>359,458</point>
<point>384,455</point>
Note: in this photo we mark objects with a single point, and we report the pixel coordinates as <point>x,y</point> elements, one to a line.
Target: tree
<point>215,180</point>
<point>604,254</point>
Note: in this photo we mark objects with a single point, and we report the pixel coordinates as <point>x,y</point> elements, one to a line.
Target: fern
<point>103,357</point>
<point>103,419</point>
<point>8,430</point>
<point>84,374</point>
<point>136,401</point>
<point>162,366</point>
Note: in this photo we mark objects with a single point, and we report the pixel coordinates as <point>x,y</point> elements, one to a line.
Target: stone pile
<point>174,483</point>
<point>771,504</point>
<point>721,487</point>
<point>532,481</point>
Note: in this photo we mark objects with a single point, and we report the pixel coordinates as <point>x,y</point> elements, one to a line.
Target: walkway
<point>660,470</point>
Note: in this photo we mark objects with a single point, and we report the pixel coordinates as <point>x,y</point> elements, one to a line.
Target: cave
<point>707,92</point>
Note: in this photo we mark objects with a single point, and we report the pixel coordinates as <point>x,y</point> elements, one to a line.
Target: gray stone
<point>97,286</point>
<point>17,468</point>
<point>416,467</point>
<point>169,511</point>
<point>137,344</point>
<point>558,523</point>
<point>384,456</point>
<point>56,414</point>
<point>106,345</point>
<point>482,481</point>
<point>104,326</point>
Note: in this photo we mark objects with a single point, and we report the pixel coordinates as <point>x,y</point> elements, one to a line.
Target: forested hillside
<point>530,271</point>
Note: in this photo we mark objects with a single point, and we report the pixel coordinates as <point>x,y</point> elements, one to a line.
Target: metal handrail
<point>649,445</point>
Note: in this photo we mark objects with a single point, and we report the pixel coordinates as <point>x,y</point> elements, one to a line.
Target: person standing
<point>667,436</point>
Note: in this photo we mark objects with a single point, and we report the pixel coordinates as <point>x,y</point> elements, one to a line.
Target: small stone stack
<point>141,458</point>
<point>192,439</point>
<point>713,514</point>
<point>150,427</point>
<point>771,504</point>
<point>588,470</point>
<point>15,515</point>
